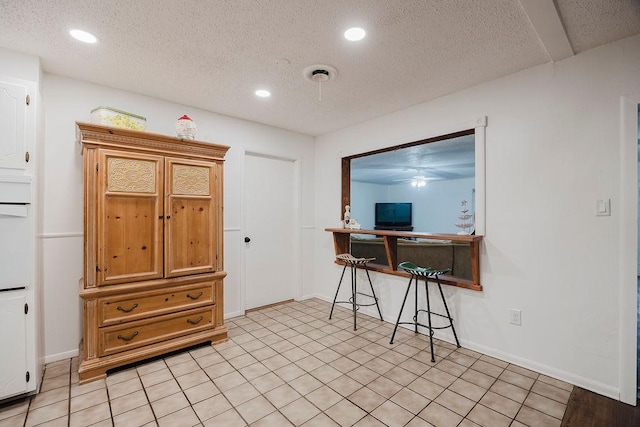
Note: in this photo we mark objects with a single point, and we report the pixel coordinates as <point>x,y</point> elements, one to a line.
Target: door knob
<point>247,240</point>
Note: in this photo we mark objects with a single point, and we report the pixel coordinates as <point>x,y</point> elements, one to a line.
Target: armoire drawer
<point>133,306</point>
<point>114,339</point>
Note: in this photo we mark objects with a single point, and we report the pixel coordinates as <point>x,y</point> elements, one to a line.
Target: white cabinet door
<point>13,347</point>
<point>13,131</point>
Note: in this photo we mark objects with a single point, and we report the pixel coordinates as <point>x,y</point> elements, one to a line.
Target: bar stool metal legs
<point>426,274</point>
<point>352,262</point>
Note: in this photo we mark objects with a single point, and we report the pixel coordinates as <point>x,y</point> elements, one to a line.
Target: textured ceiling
<point>214,54</point>
<point>592,23</point>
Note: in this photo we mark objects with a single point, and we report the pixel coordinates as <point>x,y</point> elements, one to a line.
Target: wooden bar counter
<point>342,244</point>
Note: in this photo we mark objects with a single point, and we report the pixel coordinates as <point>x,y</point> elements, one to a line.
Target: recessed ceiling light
<point>263,93</point>
<point>83,36</point>
<point>354,34</point>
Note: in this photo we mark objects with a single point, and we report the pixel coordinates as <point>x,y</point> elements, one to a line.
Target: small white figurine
<point>347,215</point>
<point>354,224</point>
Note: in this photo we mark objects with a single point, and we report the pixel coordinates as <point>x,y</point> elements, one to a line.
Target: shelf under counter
<point>342,244</point>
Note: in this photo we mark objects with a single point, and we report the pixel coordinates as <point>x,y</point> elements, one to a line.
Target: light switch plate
<point>603,207</point>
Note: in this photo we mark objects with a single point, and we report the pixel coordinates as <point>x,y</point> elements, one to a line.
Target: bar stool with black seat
<point>426,274</point>
<point>353,262</point>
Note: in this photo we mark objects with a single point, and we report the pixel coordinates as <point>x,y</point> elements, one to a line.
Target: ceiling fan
<point>417,181</point>
<point>393,173</point>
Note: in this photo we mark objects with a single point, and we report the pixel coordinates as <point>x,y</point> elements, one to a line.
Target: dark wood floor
<point>587,409</point>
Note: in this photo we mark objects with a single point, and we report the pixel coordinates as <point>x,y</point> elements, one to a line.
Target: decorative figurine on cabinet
<point>186,128</point>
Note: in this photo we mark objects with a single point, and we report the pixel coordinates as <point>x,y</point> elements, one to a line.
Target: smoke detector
<point>320,73</point>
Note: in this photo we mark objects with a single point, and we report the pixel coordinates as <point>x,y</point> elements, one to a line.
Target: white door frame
<point>628,295</point>
<point>296,262</point>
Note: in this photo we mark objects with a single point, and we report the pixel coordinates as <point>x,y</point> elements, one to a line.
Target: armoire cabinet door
<point>130,217</point>
<point>191,226</point>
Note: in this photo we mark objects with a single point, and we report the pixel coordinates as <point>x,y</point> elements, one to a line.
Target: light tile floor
<point>290,365</point>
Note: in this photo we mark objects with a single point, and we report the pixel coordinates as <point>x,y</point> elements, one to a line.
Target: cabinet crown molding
<point>116,138</point>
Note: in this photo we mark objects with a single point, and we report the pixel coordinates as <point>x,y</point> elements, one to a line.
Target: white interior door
<point>269,227</point>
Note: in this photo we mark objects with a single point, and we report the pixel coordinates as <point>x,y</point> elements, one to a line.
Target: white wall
<point>552,148</point>
<point>364,196</point>
<point>435,207</point>
<point>19,65</point>
<point>68,101</point>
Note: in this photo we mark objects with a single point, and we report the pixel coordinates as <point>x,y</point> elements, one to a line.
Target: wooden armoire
<point>153,246</point>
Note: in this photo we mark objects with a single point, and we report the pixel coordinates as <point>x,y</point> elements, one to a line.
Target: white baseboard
<point>233,314</point>
<point>580,381</point>
<point>319,296</point>
<point>60,356</point>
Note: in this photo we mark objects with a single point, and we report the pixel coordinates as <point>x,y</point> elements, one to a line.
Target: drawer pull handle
<point>195,322</point>
<point>194,297</point>
<point>135,334</point>
<point>127,310</point>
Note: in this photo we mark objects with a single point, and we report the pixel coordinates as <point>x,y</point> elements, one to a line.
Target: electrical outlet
<point>516,317</point>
